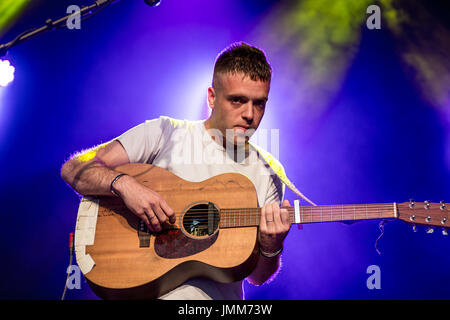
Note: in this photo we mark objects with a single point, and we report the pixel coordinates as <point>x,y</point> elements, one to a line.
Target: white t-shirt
<point>186,149</point>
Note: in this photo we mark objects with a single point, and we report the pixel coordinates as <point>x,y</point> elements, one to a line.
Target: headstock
<point>426,214</point>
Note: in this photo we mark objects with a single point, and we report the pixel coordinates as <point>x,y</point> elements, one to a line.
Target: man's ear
<point>211,97</point>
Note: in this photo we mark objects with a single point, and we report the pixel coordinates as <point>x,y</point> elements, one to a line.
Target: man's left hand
<point>274,226</point>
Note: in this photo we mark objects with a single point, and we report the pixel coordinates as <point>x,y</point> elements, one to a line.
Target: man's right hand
<point>145,203</point>
<point>91,173</point>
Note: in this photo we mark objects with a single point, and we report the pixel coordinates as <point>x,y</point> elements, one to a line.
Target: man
<point>237,99</point>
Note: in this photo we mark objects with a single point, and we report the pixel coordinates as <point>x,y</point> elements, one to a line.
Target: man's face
<point>238,104</point>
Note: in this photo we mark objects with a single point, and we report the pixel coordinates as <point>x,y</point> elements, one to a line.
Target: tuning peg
<point>442,205</point>
<point>444,232</point>
<point>427,204</point>
<point>411,203</point>
<point>430,230</point>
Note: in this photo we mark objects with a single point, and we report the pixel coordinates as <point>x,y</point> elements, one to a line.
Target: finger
<point>168,211</point>
<point>277,214</point>
<point>159,213</point>
<point>269,213</point>
<point>144,218</point>
<point>263,222</point>
<point>285,217</point>
<point>270,219</point>
<point>154,222</point>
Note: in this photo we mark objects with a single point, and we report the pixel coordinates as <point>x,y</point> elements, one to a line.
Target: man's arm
<point>91,173</point>
<point>274,226</point>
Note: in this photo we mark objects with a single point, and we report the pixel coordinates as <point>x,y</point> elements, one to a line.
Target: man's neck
<point>231,148</point>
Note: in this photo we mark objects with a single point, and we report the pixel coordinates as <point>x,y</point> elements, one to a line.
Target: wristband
<point>270,254</point>
<point>111,186</point>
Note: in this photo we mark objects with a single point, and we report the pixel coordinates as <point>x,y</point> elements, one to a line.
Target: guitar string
<point>257,219</point>
<point>257,211</point>
<point>345,206</point>
<point>324,213</point>
<point>323,209</point>
<point>303,212</point>
<point>305,216</point>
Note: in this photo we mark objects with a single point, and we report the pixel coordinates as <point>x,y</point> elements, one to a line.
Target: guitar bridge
<point>144,235</point>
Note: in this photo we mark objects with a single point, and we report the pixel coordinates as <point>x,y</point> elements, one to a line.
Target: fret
<point>230,222</point>
<point>366,212</point>
<point>310,217</point>
<point>226,219</point>
<point>302,214</point>
<point>239,219</point>
<point>342,212</point>
<point>321,215</point>
<point>354,213</point>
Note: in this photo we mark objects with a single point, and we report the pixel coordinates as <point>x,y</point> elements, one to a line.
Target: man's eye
<point>236,100</point>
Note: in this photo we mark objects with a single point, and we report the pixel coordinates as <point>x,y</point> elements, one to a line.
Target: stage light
<point>6,73</point>
<point>10,11</point>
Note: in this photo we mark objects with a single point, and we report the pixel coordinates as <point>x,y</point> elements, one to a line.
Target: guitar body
<point>133,263</point>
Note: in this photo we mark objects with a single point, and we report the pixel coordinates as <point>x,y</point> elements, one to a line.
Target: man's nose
<point>248,113</point>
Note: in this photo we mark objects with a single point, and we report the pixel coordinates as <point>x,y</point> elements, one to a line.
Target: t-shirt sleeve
<point>143,142</point>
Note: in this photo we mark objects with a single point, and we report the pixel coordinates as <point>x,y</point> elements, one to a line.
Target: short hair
<point>240,57</point>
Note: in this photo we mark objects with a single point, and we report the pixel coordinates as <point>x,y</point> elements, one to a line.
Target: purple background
<point>377,140</point>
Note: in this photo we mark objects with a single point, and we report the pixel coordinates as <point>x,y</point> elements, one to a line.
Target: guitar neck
<point>246,217</point>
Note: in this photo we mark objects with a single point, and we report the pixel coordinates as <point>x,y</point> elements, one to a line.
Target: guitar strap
<point>279,171</point>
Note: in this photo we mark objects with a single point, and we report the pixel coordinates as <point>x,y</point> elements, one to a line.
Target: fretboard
<point>246,217</point>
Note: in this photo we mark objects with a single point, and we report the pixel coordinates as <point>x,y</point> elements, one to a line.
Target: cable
<point>70,263</point>
<point>85,12</point>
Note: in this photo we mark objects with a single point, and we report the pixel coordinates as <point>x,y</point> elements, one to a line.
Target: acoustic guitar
<point>214,236</point>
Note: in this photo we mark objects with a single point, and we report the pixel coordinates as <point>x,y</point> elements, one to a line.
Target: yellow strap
<point>279,170</point>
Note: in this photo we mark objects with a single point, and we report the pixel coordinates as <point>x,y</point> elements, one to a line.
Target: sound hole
<point>201,220</point>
